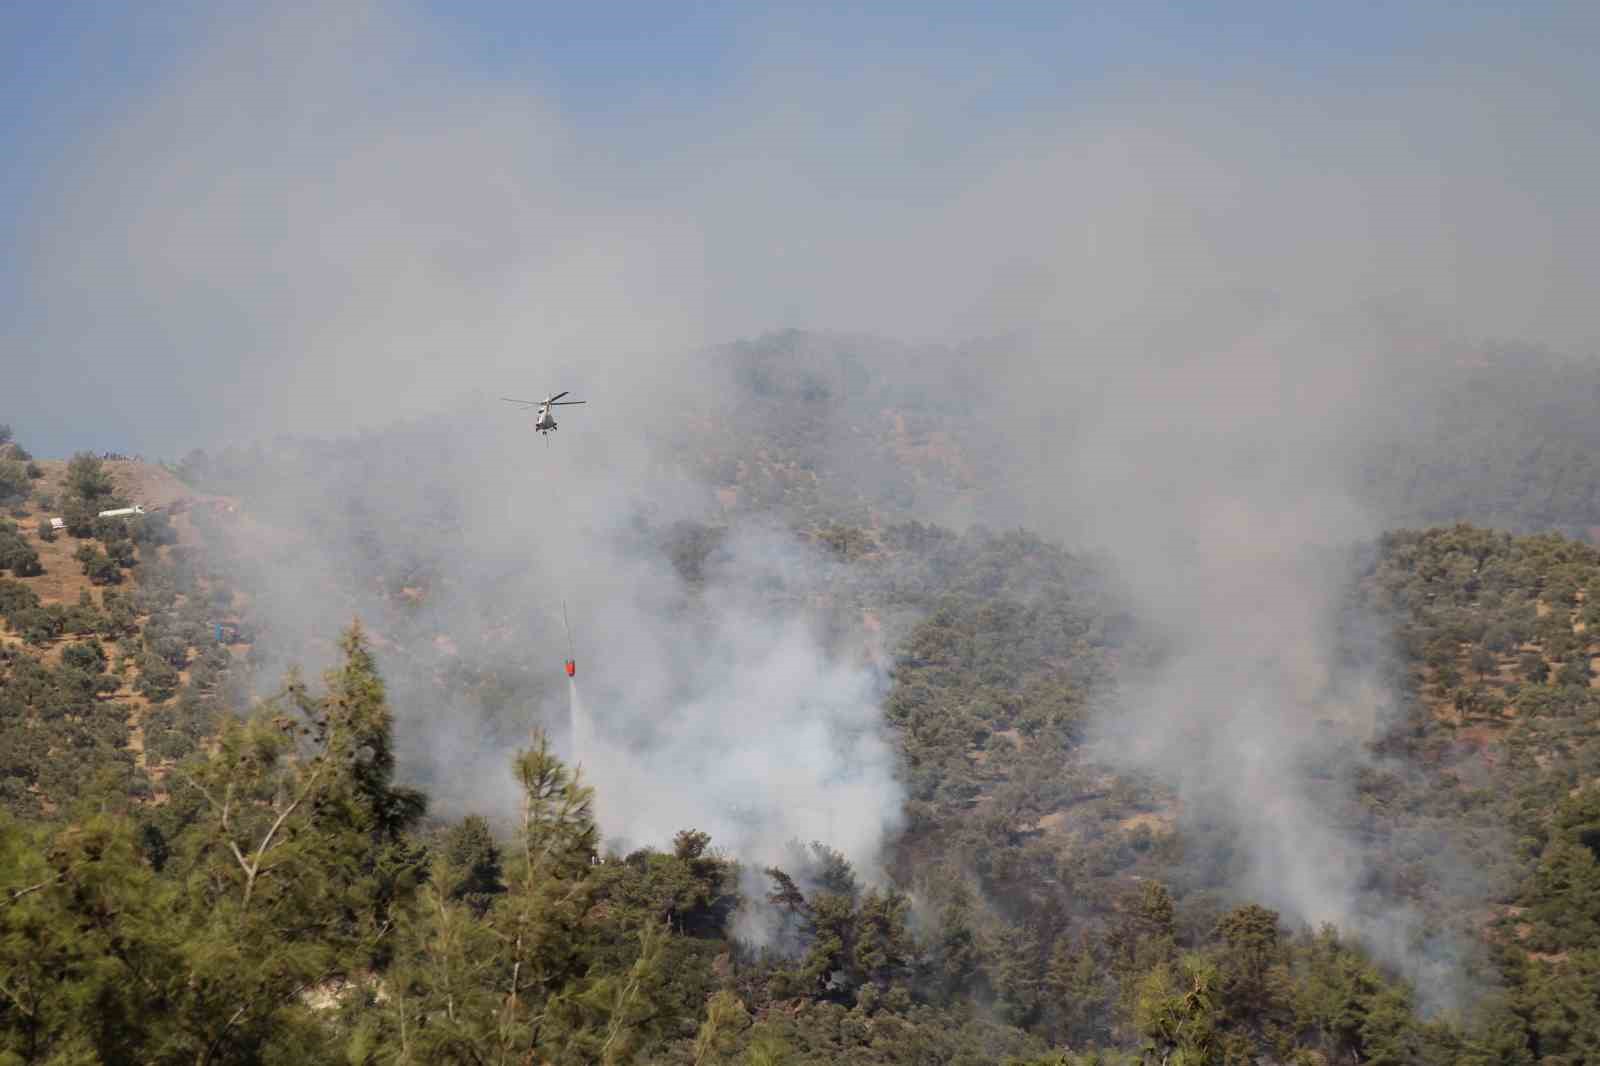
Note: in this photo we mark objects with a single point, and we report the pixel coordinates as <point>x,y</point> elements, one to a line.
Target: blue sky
<point>855,122</point>
<point>72,63</point>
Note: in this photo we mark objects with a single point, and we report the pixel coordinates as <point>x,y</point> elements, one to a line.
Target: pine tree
<point>726,1018</point>
<point>471,871</point>
<point>1078,994</point>
<point>295,861</point>
<point>1177,1013</point>
<point>1018,981</point>
<point>524,982</point>
<point>885,951</point>
<point>445,989</point>
<point>79,973</point>
<point>1250,936</point>
<point>957,955</point>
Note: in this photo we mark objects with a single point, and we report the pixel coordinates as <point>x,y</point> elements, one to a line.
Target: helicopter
<point>546,421</point>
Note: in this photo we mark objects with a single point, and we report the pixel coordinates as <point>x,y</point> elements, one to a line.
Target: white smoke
<point>711,703</point>
<point>751,731</point>
<point>1214,458</point>
<point>277,237</point>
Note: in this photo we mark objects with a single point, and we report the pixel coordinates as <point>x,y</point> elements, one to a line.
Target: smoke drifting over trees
<point>306,242</point>
<point>1209,333</point>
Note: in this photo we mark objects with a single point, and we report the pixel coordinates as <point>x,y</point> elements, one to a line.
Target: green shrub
<point>87,656</point>
<point>14,483</point>
<point>16,554</point>
<point>100,568</point>
<point>87,478</point>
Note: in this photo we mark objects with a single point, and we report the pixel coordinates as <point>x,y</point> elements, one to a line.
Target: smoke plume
<point>1201,296</point>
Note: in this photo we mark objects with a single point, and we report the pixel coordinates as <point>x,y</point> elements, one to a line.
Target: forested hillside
<point>1507,441</point>
<point>799,534</point>
<point>848,426</point>
<point>209,859</point>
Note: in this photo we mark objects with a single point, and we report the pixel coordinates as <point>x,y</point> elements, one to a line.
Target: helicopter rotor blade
<point>557,396</point>
<point>566,403</point>
<point>525,403</point>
